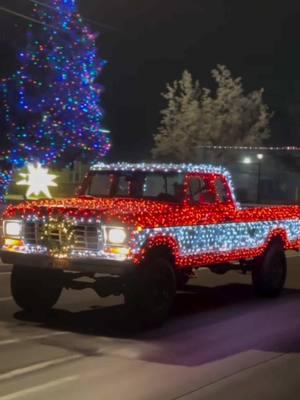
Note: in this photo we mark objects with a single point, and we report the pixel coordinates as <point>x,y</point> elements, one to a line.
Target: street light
<point>247,160</point>
<point>260,156</point>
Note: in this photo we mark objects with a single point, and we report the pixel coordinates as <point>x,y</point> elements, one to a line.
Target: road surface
<point>220,343</point>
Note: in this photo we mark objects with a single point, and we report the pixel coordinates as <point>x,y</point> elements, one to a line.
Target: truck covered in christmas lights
<point>141,230</point>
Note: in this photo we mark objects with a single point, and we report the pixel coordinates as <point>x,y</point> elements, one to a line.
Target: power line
<point>31,19</point>
<point>84,18</point>
<point>36,21</point>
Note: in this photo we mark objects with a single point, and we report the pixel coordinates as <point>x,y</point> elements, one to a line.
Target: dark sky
<point>154,41</point>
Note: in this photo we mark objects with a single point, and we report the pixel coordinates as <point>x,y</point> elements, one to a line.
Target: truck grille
<point>86,237</point>
<point>57,237</point>
<point>32,233</point>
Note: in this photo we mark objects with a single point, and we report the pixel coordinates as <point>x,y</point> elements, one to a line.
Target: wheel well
<point>161,251</point>
<point>277,239</point>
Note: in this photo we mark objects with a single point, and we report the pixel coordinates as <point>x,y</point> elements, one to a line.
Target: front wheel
<point>269,273</point>
<point>150,292</point>
<point>34,289</point>
<point>182,278</point>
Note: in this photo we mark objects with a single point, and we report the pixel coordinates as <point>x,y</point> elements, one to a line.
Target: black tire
<point>182,278</point>
<point>34,289</point>
<point>150,293</point>
<point>269,272</point>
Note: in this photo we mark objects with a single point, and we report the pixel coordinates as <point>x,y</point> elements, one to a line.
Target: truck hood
<point>144,213</point>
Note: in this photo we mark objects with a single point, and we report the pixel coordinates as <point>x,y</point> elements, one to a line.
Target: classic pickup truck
<point>142,230</point>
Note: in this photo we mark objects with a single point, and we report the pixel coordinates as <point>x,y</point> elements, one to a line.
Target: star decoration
<point>38,180</point>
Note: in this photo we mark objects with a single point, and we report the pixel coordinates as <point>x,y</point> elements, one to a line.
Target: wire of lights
<point>252,148</point>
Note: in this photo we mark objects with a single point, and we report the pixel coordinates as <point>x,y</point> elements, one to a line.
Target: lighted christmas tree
<point>5,163</point>
<point>53,106</point>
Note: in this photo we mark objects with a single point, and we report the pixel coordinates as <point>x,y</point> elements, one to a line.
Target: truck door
<point>213,213</point>
<point>224,199</point>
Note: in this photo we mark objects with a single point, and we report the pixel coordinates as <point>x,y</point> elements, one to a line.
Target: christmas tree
<point>53,103</point>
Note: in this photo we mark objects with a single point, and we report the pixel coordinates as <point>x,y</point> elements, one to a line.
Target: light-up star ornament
<point>38,180</point>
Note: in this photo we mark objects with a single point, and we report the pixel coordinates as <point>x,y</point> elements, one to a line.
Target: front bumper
<point>82,264</point>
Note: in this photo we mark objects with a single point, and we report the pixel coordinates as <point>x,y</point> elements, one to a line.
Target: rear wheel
<point>269,273</point>
<point>35,289</point>
<point>151,291</point>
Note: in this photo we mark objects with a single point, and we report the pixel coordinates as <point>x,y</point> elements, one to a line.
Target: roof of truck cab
<point>159,167</point>
<point>153,167</point>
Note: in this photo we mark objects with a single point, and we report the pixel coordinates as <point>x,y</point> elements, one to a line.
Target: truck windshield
<point>138,185</point>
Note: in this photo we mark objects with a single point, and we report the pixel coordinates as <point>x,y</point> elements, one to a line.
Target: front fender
<point>155,241</point>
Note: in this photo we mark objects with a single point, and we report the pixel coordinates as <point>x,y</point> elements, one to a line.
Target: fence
<point>271,177</point>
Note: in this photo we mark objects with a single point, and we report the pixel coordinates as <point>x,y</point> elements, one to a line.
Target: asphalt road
<point>220,343</point>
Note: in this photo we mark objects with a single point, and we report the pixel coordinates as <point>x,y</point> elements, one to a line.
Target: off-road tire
<point>150,292</point>
<point>35,290</point>
<point>269,272</point>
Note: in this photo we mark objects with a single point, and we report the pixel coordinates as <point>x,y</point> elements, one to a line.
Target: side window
<point>200,192</point>
<point>195,188</point>
<point>123,186</point>
<point>222,190</point>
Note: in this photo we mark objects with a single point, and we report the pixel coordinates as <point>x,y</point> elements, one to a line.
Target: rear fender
<point>278,234</point>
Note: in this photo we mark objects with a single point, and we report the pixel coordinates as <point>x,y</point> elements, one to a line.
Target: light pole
<point>260,157</point>
<point>248,160</point>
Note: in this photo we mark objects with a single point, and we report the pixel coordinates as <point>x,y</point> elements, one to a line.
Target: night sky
<point>151,42</point>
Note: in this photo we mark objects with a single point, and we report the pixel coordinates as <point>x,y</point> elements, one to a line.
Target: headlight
<point>13,228</point>
<point>116,235</point>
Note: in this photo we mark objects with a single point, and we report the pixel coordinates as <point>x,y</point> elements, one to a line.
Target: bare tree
<point>196,117</point>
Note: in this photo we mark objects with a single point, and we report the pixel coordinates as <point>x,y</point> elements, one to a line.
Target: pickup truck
<point>142,230</point>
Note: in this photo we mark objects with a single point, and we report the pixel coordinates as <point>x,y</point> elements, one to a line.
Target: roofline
<point>149,167</point>
<point>171,167</point>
